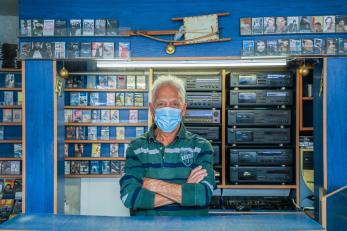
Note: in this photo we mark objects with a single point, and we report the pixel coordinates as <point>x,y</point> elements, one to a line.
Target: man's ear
<point>184,109</point>
<point>151,108</point>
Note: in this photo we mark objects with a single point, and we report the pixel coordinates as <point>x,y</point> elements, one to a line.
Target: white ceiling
<point>9,7</point>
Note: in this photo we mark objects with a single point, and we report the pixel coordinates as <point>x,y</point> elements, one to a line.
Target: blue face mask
<point>167,118</point>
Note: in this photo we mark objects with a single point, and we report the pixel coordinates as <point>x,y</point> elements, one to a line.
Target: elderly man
<point>169,171</point>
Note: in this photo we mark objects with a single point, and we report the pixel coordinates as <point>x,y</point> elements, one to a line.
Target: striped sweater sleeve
<point>132,194</point>
<point>200,194</point>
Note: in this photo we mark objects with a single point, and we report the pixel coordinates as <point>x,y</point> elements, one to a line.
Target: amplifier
<point>209,133</point>
<point>259,117</point>
<point>261,174</point>
<point>261,157</point>
<point>202,83</point>
<point>261,79</point>
<point>258,135</point>
<point>216,149</point>
<point>204,99</point>
<point>261,97</point>
<point>211,116</point>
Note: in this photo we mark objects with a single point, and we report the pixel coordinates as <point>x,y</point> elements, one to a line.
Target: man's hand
<point>197,175</point>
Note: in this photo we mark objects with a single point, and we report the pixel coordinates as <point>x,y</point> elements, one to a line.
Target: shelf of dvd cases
<point>257,186</point>
<point>108,124</point>
<point>105,107</point>
<point>10,89</point>
<point>94,158</point>
<point>11,106</point>
<point>92,176</point>
<point>10,176</point>
<point>10,141</point>
<point>10,124</point>
<point>103,90</point>
<point>98,141</point>
<point>10,70</point>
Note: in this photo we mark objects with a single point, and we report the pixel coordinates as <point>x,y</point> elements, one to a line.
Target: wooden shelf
<point>10,89</point>
<point>257,186</point>
<point>306,129</point>
<point>93,176</point>
<point>307,98</point>
<point>10,70</point>
<point>94,158</point>
<point>10,141</point>
<point>103,90</point>
<point>10,124</point>
<point>97,141</point>
<point>106,124</point>
<point>11,106</point>
<point>11,176</point>
<point>104,107</point>
<point>10,158</point>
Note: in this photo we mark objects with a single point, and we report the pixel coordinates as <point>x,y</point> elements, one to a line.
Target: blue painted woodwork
<point>336,123</point>
<point>156,15</point>
<point>283,222</point>
<point>39,136</point>
<point>337,211</point>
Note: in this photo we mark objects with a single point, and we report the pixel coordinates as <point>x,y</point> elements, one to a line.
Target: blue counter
<point>283,222</point>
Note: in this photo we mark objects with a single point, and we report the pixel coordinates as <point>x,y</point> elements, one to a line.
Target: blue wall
<point>39,136</point>
<point>336,123</point>
<point>156,15</point>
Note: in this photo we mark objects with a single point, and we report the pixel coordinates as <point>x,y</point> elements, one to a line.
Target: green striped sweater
<point>146,157</point>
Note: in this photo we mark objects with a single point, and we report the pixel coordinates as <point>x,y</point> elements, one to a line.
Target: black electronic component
<point>259,117</point>
<point>266,157</point>
<point>261,175</point>
<point>204,99</point>
<point>260,97</point>
<point>259,136</point>
<point>261,79</point>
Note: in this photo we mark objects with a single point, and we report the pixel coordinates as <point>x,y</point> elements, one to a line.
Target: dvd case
<point>86,50</point>
<point>112,27</point>
<point>48,27</point>
<point>75,27</point>
<point>96,149</point>
<point>97,48</point>
<point>245,26</point>
<point>59,50</point>
<point>60,27</point>
<point>100,27</point>
<point>248,48</point>
<point>88,27</point>
<point>108,50</point>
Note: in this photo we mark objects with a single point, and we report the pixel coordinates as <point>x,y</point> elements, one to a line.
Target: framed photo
<point>269,25</point>
<point>317,24</point>
<point>293,24</point>
<point>329,24</point>
<point>257,25</point>
<point>245,26</point>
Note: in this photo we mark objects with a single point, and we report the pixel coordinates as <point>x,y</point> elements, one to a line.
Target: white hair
<point>169,80</point>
